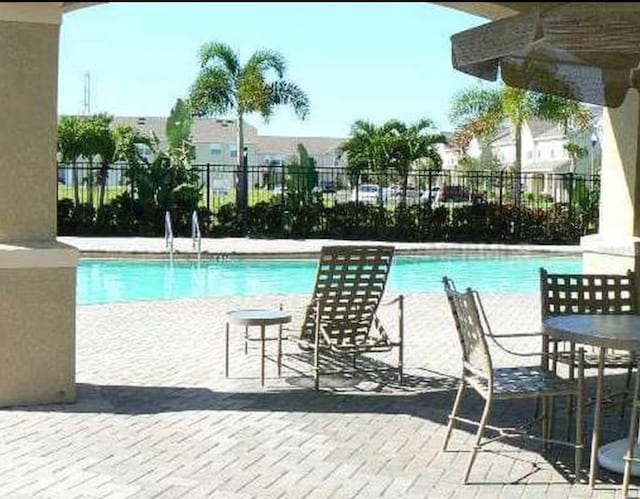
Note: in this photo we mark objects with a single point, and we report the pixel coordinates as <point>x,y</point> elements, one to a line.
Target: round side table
<point>257,317</point>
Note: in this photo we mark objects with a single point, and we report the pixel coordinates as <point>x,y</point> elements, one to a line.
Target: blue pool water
<point>102,281</point>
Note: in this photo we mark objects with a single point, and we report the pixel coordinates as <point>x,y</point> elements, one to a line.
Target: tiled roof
<point>203,129</point>
<point>273,144</point>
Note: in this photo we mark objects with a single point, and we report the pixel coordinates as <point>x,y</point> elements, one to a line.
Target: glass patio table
<point>603,331</point>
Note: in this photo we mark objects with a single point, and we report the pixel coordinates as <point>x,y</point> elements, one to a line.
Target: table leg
<point>633,437</point>
<point>262,335</point>
<point>280,350</point>
<point>595,438</point>
<point>246,339</point>
<point>226,352</point>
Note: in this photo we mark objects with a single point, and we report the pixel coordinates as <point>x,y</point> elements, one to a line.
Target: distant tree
<point>97,143</point>
<point>70,147</point>
<point>302,177</point>
<point>178,128</point>
<point>480,112</point>
<point>410,143</point>
<point>106,150</point>
<point>224,85</point>
<point>367,149</point>
<point>575,152</point>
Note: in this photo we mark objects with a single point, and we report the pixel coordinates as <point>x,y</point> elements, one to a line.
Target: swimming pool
<point>103,281</point>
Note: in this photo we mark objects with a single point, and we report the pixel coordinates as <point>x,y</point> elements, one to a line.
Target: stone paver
<point>155,416</point>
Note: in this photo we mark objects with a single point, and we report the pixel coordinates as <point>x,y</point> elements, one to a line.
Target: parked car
<point>435,192</point>
<point>328,187</point>
<point>366,193</point>
<point>458,194</point>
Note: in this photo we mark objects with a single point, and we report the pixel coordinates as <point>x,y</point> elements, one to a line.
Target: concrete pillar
<point>616,247</point>
<point>37,274</point>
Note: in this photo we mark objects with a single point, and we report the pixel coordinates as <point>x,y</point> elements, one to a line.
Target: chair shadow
<point>424,394</point>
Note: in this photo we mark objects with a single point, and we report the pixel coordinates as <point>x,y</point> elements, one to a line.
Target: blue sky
<point>372,61</point>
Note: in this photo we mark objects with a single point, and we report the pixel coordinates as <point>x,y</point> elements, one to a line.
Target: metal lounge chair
<point>342,316</point>
<point>494,384</point>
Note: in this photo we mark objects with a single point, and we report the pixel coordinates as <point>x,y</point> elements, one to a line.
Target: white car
<point>435,195</point>
<point>366,193</point>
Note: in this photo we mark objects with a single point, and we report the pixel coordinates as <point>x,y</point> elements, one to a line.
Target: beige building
<point>544,156</point>
<point>215,142</point>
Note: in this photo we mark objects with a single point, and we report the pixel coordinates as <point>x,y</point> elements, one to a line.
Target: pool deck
<point>242,247</point>
<point>156,417</point>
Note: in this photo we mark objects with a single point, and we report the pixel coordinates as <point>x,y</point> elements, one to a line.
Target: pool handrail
<point>196,236</point>
<point>168,234</point>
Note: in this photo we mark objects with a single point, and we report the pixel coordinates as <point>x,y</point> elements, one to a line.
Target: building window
<point>552,153</point>
<point>529,154</point>
<point>233,150</point>
<point>216,149</point>
<point>539,154</point>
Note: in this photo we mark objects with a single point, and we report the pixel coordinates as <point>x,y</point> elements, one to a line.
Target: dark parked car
<point>459,194</point>
<point>328,187</point>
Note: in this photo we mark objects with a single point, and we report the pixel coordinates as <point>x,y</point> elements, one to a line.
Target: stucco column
<point>37,274</point>
<point>616,247</point>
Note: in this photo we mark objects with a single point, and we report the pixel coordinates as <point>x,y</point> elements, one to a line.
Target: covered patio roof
<point>576,50</point>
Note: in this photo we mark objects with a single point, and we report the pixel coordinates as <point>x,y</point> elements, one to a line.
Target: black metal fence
<point>93,185</point>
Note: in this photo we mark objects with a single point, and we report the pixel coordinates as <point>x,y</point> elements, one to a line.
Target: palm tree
<point>575,152</point>
<point>178,128</point>
<point>481,112</point>
<point>224,85</point>
<point>409,143</point>
<point>368,149</point>
<point>104,145</point>
<point>95,139</point>
<point>70,147</point>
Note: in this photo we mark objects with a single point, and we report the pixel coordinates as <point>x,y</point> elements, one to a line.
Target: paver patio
<point>155,416</point>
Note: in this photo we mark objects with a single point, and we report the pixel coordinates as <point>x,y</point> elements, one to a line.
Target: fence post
<point>208,186</point>
<point>430,180</point>
<point>570,194</point>
<point>282,184</point>
<point>501,187</point>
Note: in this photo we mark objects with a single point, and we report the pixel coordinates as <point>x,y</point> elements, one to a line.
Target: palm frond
<point>472,103</point>
<point>218,54</point>
<point>286,92</point>
<point>212,92</point>
<point>265,60</point>
<point>566,112</point>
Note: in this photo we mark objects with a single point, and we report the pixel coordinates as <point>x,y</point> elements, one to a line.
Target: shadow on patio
<point>428,395</point>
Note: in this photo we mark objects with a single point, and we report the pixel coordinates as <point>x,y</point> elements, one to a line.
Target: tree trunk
<point>405,186</point>
<point>242,185</point>
<point>75,178</point>
<point>517,185</point>
<point>90,183</point>
<point>104,173</point>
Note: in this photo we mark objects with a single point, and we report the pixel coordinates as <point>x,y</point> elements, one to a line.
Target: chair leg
<point>316,368</point>
<point>633,436</point>
<point>401,339</point>
<point>627,385</point>
<point>483,422</point>
<point>572,361</point>
<point>545,422</point>
<point>454,413</point>
<point>579,416</point>
<point>316,350</point>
